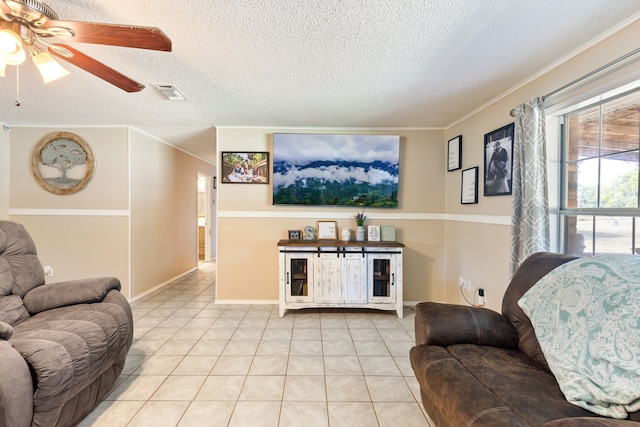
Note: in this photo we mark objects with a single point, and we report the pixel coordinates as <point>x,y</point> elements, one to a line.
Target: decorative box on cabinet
<point>332,273</point>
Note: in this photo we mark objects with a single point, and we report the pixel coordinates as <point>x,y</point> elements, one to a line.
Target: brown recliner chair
<point>62,345</point>
<point>477,367</point>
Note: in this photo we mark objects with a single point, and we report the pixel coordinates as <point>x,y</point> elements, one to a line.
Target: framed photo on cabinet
<point>454,150</point>
<point>374,233</point>
<point>327,230</point>
<point>294,234</point>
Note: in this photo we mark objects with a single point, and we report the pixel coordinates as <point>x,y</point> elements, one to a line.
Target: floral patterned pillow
<point>586,316</point>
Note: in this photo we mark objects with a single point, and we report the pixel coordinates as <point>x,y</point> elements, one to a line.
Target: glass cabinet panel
<point>381,278</point>
<point>299,278</point>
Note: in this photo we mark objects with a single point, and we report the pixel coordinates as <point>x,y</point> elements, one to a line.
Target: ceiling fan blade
<point>112,34</point>
<point>96,68</point>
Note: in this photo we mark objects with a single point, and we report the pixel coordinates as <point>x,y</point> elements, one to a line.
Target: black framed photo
<point>294,234</point>
<point>454,150</point>
<point>469,190</point>
<point>245,167</point>
<point>498,161</point>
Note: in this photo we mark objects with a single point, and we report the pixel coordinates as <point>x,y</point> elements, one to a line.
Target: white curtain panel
<point>530,205</point>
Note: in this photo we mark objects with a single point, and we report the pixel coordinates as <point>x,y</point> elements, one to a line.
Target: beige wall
<point>81,246</point>
<point>74,243</point>
<point>479,249</point>
<point>249,226</point>
<point>98,231</point>
<point>109,188</point>
<point>163,211</point>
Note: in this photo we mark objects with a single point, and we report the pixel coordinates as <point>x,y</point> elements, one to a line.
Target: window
<point>600,211</point>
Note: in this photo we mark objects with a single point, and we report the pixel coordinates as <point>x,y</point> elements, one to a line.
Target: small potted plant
<point>360,217</point>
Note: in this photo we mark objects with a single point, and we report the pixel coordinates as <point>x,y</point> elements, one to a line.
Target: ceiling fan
<point>30,24</point>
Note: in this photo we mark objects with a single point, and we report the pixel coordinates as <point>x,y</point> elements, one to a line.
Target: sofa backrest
<point>20,270</point>
<point>530,271</point>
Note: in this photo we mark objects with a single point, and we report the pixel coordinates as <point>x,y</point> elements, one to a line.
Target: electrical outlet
<point>464,283</point>
<point>48,270</point>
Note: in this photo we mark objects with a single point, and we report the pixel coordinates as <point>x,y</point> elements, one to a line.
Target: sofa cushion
<point>532,269</point>
<point>12,310</point>
<point>27,273</point>
<point>19,250</point>
<point>529,389</point>
<point>14,239</point>
<point>468,384</point>
<point>6,279</point>
<point>452,396</point>
<point>68,349</point>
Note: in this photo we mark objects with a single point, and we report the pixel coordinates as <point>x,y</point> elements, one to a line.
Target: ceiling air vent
<point>171,92</point>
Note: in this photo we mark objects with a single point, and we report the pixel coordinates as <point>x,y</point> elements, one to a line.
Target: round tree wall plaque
<point>62,163</point>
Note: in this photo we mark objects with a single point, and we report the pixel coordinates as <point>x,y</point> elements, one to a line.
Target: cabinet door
<point>328,287</point>
<point>381,273</point>
<point>354,278</point>
<point>299,278</point>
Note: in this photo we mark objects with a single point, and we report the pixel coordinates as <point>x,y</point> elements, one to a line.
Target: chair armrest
<point>590,422</point>
<point>52,369</point>
<point>16,388</point>
<point>448,324</point>
<point>61,294</point>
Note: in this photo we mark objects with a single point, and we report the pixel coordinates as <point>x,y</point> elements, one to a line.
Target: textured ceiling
<point>333,63</point>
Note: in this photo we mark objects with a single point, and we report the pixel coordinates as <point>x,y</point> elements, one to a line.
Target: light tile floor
<point>197,363</point>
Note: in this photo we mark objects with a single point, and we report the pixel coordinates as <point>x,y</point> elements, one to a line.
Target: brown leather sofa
<point>477,367</point>
<point>62,345</point>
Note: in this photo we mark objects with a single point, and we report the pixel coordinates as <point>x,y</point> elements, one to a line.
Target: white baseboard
<point>410,303</point>
<point>246,302</point>
<point>155,288</point>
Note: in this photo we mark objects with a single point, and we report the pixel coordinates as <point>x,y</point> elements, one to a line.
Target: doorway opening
<point>204,218</point>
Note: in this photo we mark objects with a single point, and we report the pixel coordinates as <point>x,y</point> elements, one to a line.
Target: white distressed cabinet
<point>331,273</point>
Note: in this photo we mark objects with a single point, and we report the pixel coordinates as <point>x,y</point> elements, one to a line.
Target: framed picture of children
<point>245,167</point>
<point>498,161</point>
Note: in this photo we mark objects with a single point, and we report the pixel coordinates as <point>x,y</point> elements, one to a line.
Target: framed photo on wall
<point>454,150</point>
<point>498,161</point>
<point>245,167</point>
<point>469,191</point>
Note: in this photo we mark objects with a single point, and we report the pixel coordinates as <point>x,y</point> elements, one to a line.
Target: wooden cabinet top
<point>340,243</point>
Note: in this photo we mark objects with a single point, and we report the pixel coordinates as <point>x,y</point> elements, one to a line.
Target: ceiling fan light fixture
<point>48,67</point>
<point>11,50</point>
